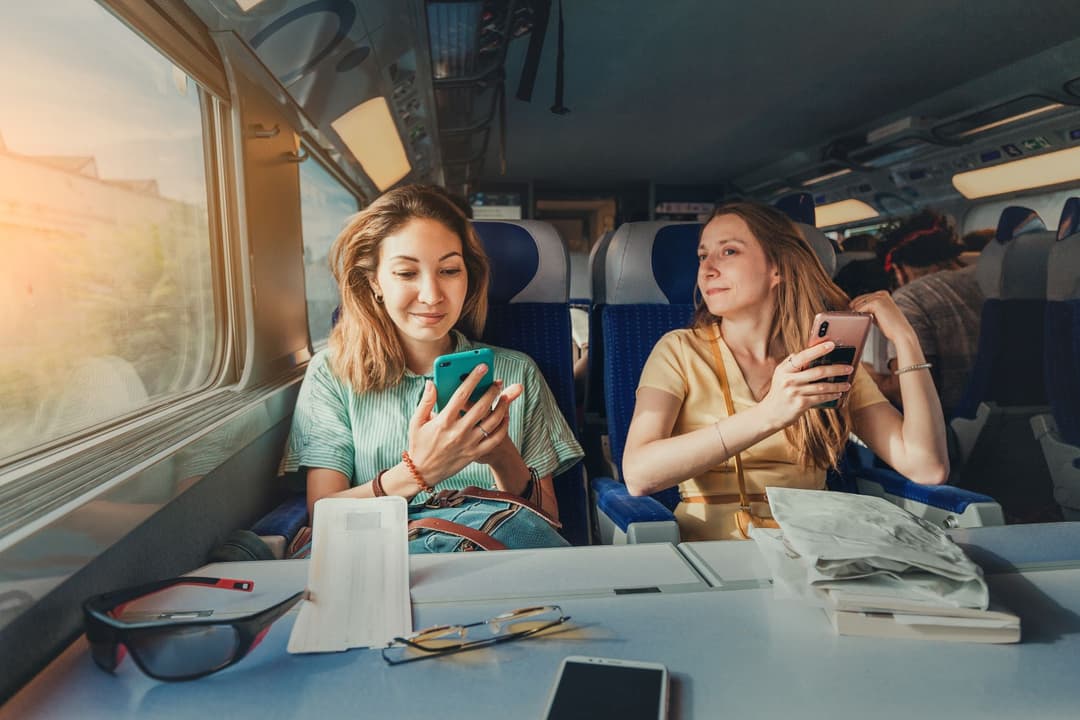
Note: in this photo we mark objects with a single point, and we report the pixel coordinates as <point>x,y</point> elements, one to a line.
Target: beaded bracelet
<point>917,366</point>
<point>376,485</point>
<point>414,472</point>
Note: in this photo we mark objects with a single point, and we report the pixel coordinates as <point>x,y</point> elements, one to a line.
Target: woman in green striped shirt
<point>414,279</point>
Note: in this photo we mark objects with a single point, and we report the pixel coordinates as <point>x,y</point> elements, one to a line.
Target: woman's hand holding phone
<point>442,445</point>
<point>797,386</point>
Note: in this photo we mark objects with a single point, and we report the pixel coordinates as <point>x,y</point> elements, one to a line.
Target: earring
<point>378,298</point>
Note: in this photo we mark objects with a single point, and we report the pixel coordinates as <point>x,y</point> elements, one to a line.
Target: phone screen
<point>590,690</point>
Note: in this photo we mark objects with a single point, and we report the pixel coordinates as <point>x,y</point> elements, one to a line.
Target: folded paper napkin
<point>866,545</point>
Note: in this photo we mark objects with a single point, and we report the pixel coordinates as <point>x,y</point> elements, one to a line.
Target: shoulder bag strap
<point>477,493</point>
<point>476,537</point>
<point>721,372</point>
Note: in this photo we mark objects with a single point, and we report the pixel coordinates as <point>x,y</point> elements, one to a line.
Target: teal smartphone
<point>451,370</point>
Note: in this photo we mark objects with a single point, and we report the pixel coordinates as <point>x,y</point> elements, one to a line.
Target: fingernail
<point>848,368</point>
<point>481,369</point>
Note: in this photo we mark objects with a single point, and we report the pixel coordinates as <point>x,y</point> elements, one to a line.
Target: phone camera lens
<point>444,364</point>
<point>823,329</point>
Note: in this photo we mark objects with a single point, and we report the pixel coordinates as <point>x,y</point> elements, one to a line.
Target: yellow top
<point>682,365</point>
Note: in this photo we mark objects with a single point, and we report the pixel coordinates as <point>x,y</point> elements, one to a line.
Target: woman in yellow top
<point>761,285</point>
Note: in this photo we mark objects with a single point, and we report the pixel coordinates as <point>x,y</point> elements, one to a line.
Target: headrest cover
<point>596,266</point>
<point>651,262</point>
<point>529,262</point>
<point>1070,219</point>
<point>799,207</point>
<point>822,246</point>
<point>1016,220</point>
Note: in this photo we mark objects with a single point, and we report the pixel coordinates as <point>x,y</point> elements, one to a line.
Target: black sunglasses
<point>175,645</point>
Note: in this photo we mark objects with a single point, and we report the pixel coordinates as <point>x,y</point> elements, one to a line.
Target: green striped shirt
<point>360,435</point>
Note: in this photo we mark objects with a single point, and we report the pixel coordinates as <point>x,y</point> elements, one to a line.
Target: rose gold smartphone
<point>848,330</point>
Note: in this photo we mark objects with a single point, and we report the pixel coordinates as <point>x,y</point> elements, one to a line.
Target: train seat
<point>1011,271</point>
<point>529,311</point>
<point>1006,386</point>
<point>800,208</point>
<point>1059,431</point>
<point>650,271</point>
<point>650,277</point>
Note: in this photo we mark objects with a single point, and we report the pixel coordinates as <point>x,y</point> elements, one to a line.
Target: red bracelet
<point>414,472</point>
<point>376,485</point>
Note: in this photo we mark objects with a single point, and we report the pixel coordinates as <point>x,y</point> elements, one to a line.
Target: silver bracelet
<point>909,368</point>
<point>721,436</point>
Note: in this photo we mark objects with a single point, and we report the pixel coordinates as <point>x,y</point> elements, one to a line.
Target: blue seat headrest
<point>799,207</point>
<point>652,262</point>
<point>1070,219</point>
<point>529,261</point>
<point>1013,266</point>
<point>1063,267</point>
<point>1015,221</point>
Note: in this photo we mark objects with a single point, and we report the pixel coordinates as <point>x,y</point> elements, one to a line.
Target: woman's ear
<point>774,277</point>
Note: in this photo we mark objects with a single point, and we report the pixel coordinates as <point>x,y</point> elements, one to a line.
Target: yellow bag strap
<point>721,372</point>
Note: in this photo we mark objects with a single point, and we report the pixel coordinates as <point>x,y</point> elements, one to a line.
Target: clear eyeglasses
<point>450,639</point>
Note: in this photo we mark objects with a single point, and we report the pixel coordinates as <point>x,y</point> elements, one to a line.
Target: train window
<point>324,205</point>
<point>106,298</point>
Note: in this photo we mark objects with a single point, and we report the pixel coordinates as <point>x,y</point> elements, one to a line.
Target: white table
<point>731,654</point>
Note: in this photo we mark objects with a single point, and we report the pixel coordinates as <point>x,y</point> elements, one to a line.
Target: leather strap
<point>447,498</point>
<point>727,499</point>
<point>480,539</point>
<point>721,372</point>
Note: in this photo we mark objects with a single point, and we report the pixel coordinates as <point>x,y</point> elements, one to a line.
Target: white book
<point>887,617</point>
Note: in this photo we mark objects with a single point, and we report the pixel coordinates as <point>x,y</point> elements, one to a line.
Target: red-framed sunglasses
<point>180,645</point>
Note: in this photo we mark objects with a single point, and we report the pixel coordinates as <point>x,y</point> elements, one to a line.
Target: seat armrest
<point>285,520</point>
<point>944,505</point>
<point>615,501</point>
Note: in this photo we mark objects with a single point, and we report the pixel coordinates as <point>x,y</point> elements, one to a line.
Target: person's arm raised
<point>914,443</point>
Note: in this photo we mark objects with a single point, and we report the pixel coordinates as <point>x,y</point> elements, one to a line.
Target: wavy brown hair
<point>804,290</point>
<point>365,350</point>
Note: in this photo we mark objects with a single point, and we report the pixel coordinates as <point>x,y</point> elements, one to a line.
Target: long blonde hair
<point>365,350</point>
<point>804,290</point>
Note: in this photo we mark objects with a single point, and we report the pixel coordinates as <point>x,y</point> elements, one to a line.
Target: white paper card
<point>358,578</point>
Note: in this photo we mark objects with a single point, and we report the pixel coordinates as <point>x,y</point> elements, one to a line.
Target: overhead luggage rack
<point>469,40</point>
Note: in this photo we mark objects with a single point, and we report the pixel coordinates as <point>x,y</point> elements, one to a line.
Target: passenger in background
<point>976,240</point>
<point>414,279</point>
<point>860,277</point>
<point>939,296</point>
<point>761,285</point>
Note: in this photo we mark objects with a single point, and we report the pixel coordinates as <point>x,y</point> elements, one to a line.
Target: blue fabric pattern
<point>623,508</point>
<point>512,256</point>
<point>634,329</point>
<point>1063,366</point>
<point>542,331</point>
<point>674,262</point>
